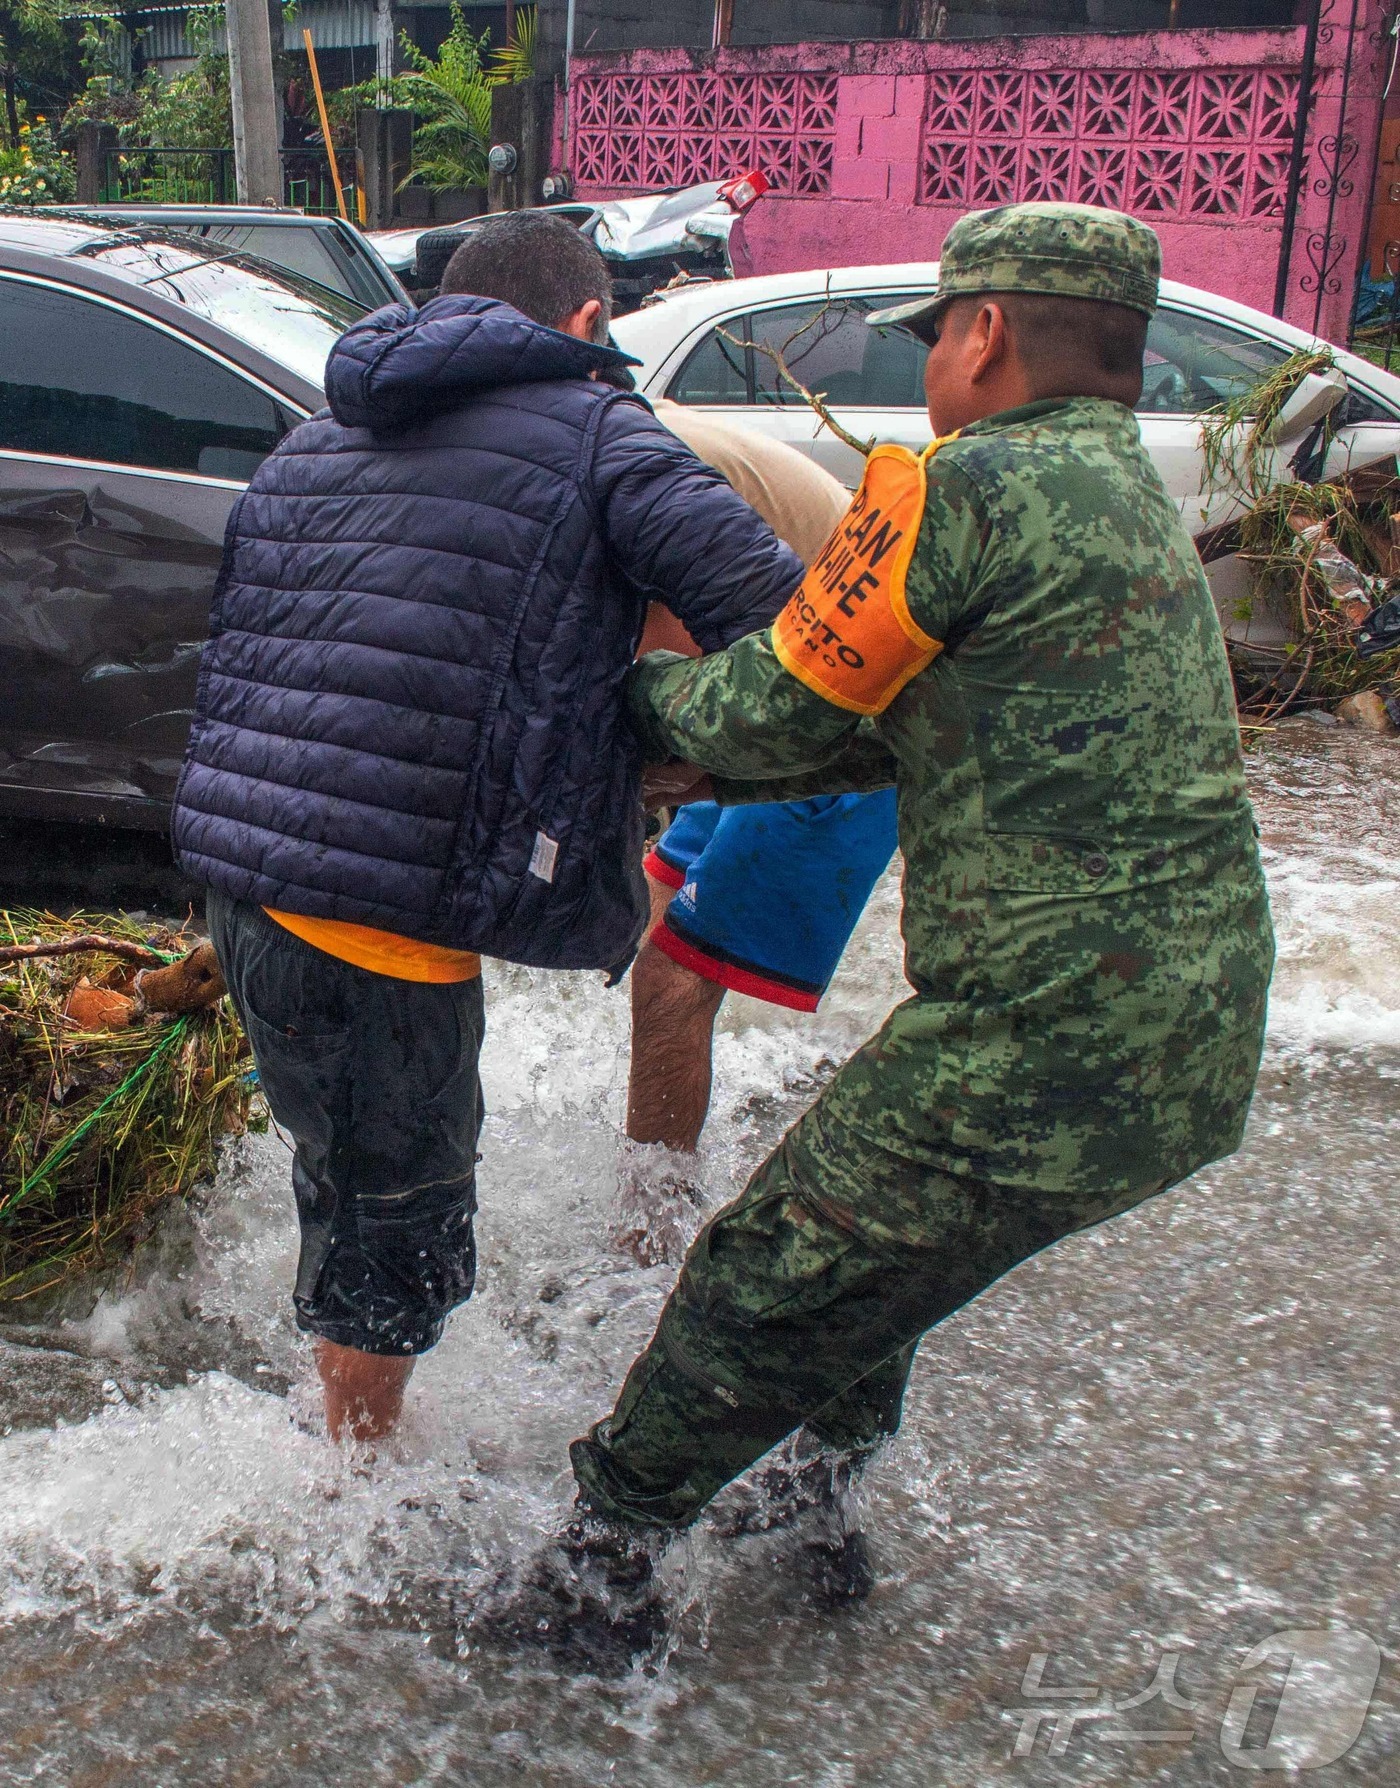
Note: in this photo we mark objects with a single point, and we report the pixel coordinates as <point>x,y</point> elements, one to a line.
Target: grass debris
<point>1286,535</point>
<point>1235,441</point>
<point>100,1128</point>
<point>1319,665</point>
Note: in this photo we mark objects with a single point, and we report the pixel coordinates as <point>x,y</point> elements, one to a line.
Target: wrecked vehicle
<point>718,347</point>
<point>143,377</point>
<point>646,241</point>
<point>327,250</point>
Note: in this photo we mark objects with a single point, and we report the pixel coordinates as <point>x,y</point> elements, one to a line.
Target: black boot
<point>590,1596</point>
<point>811,1493</point>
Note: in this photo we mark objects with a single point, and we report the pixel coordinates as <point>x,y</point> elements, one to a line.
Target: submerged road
<point>1151,1471</point>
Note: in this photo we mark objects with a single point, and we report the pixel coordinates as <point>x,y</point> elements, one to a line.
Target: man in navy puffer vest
<point>410,747</point>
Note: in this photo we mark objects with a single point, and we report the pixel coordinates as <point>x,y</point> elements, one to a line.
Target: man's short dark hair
<point>536,262</point>
<point>1057,337</point>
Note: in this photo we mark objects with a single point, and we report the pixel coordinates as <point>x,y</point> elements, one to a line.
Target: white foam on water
<point>1328,810</point>
<point>213,1489</point>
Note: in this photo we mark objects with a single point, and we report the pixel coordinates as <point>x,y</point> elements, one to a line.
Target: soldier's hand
<point>672,785</point>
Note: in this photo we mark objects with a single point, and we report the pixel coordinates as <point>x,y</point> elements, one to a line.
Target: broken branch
<point>110,946</point>
<point>816,399</point>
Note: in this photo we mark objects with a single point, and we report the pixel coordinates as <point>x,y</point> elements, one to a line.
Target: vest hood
<point>400,366</point>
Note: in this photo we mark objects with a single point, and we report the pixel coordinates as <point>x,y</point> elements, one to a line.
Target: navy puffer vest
<point>409,709</point>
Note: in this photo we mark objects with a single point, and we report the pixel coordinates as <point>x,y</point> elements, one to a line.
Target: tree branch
<point>816,399</point>
<point>110,946</point>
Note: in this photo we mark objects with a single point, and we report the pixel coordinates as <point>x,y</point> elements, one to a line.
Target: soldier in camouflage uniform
<point>1015,629</point>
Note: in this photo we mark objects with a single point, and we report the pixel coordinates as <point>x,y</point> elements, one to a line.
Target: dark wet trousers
<point>375,1081</point>
<point>802,1302</point>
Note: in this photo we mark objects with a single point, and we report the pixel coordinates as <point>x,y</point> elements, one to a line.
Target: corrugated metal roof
<point>335,25</point>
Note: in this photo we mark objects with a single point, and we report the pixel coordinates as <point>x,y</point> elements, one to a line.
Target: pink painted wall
<point>876,148</point>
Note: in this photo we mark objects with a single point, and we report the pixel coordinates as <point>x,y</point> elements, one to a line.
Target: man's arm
<point>787,703</point>
<point>682,535</point>
<point>863,763</point>
<point>737,713</point>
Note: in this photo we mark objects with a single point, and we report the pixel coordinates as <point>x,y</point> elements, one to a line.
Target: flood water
<point>1137,1458</point>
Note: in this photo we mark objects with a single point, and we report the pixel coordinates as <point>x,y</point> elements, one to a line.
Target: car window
<point>276,311</point>
<point>717,371</point>
<point>1363,406</point>
<point>82,380</point>
<point>825,343</point>
<point>304,251</point>
<point>1195,363</point>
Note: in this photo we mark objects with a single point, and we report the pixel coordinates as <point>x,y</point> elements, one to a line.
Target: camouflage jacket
<point>1085,920</point>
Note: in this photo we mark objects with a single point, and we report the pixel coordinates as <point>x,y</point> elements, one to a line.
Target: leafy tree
<point>515,60</point>
<point>451,93</point>
<point>31,44</point>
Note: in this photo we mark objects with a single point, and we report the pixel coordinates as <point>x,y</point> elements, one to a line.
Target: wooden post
<point>724,24</point>
<point>383,156</point>
<point>325,122</point>
<point>94,143</point>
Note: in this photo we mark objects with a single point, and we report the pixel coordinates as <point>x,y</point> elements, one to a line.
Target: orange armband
<point>848,633</point>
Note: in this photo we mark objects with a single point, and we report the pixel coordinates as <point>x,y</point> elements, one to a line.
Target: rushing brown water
<point>1140,1456</point>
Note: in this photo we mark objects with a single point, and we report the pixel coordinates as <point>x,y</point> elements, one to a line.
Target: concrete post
<point>522,117</point>
<point>383,48</point>
<point>256,142</point>
<point>383,152</point>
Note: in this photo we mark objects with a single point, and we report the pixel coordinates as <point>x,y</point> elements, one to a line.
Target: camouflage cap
<point>1064,251</point>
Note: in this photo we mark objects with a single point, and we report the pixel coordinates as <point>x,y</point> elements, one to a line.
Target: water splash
<point>1174,1432</point>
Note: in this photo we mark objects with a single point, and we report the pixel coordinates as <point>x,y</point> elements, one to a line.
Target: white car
<point>1201,351</point>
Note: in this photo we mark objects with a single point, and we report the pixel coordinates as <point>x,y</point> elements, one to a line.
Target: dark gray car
<point>143,378</point>
<point>324,249</point>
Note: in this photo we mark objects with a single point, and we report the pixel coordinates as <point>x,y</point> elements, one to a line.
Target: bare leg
<point>363,1391</point>
<point>673,1021</point>
<point>668,1094</point>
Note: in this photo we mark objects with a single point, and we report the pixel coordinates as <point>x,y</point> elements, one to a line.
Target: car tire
<point>435,249</point>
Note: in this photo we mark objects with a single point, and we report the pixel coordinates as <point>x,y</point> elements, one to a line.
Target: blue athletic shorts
<point>767,897</point>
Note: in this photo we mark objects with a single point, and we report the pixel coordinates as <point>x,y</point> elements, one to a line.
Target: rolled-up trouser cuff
<point>601,1493</point>
<point>405,1343</point>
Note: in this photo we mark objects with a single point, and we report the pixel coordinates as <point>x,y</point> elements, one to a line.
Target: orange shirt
<point>381,952</point>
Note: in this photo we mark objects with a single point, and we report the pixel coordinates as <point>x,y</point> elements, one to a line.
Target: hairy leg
<point>363,1391</point>
<point>673,1020</point>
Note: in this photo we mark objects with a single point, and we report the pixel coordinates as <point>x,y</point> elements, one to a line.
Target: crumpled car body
<point>647,241</point>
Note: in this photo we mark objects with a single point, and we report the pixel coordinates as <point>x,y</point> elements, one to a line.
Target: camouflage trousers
<point>803,1301</point>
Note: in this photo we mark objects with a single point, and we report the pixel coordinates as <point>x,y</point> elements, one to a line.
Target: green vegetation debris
<point>100,1128</point>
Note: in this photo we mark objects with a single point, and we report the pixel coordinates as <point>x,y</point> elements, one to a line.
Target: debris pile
<point>121,1069</point>
<point>1325,563</point>
<point>1324,554</point>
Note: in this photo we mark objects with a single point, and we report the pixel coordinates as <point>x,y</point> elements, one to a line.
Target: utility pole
<point>256,146</point>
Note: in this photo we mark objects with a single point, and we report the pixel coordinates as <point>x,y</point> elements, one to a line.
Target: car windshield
<point>290,319</point>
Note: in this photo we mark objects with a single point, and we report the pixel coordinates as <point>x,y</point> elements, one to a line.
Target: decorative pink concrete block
<point>875,148</point>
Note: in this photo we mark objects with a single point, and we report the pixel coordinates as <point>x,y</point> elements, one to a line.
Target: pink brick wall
<point>876,148</point>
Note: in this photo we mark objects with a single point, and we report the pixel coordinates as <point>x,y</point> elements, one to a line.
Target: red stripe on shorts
<point>728,974</point>
<point>661,871</point>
